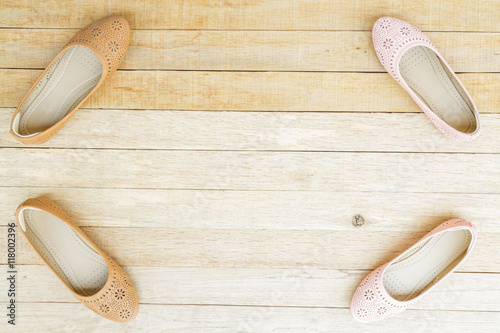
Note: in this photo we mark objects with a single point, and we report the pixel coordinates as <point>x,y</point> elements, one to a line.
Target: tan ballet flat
<point>88,59</point>
<point>93,277</point>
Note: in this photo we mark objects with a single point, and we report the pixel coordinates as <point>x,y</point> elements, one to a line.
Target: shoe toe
<point>117,300</point>
<point>369,302</point>
<point>109,37</point>
<point>390,35</point>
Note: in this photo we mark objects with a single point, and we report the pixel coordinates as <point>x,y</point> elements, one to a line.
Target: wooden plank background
<point>223,163</point>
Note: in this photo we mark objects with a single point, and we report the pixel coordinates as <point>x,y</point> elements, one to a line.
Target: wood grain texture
<point>270,210</point>
<point>250,50</point>
<point>269,131</point>
<point>233,248</point>
<point>447,15</point>
<point>410,172</point>
<point>230,221</point>
<point>297,287</point>
<point>207,319</point>
<point>258,91</point>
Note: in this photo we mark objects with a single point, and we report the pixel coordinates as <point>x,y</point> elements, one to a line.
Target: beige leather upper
<point>89,58</point>
<point>89,273</point>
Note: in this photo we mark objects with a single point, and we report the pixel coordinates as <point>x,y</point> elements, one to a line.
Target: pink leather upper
<point>371,302</point>
<point>391,38</point>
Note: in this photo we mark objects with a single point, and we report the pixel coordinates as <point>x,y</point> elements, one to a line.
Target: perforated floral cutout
<point>369,295</point>
<point>125,314</point>
<point>385,23</point>
<point>117,25</point>
<point>113,46</point>
<point>388,43</point>
<point>104,308</point>
<point>96,32</point>
<point>405,31</point>
<point>120,294</point>
<point>362,313</point>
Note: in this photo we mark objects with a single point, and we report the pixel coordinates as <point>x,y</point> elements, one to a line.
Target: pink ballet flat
<point>393,287</point>
<point>415,63</point>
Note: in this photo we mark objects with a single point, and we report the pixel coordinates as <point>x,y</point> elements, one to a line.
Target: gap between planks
<point>258,131</point>
<point>270,91</point>
<point>235,248</point>
<point>303,287</point>
<point>305,210</point>
<point>207,319</point>
<point>305,51</point>
<point>341,172</point>
<point>450,15</point>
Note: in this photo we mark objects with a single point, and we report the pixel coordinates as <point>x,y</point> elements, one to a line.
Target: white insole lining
<point>62,87</point>
<point>420,268</point>
<point>74,260</point>
<point>429,78</point>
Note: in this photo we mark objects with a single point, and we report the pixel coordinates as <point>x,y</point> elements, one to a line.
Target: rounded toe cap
<point>391,36</point>
<point>369,302</point>
<point>109,38</point>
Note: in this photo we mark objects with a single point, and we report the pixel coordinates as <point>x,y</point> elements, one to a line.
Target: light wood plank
<point>384,172</point>
<point>219,319</point>
<point>298,287</point>
<point>272,210</point>
<point>308,131</point>
<point>250,50</point>
<point>242,221</point>
<point>448,15</point>
<point>267,91</point>
<point>233,248</point>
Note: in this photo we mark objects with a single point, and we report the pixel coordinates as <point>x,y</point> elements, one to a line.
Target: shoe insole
<point>426,75</point>
<point>62,87</point>
<point>78,264</point>
<point>422,267</point>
